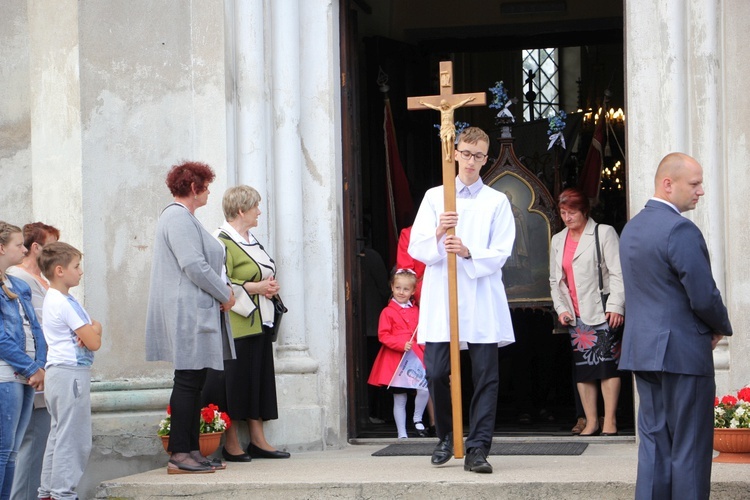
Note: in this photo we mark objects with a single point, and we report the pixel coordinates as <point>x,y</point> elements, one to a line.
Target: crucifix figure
<point>434,240</point>
<point>447,126</point>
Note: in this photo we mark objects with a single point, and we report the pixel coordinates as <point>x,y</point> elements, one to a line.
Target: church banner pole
<point>446,103</point>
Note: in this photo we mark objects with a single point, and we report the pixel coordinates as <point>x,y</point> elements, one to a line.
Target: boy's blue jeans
<point>16,402</point>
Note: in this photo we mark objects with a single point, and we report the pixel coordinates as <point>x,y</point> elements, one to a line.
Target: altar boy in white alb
<point>485,231</point>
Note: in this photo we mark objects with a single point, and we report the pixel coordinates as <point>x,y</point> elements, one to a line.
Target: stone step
<point>606,470</point>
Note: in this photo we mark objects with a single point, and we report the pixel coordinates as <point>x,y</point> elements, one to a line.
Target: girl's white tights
<point>399,414</point>
<point>420,403</point>
<point>399,410</point>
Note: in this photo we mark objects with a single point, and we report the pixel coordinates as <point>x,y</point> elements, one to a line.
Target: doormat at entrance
<point>425,449</point>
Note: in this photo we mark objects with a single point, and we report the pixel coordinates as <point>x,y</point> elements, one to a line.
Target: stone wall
<point>104,96</point>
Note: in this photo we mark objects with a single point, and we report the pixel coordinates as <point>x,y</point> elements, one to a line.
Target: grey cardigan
<point>184,324</point>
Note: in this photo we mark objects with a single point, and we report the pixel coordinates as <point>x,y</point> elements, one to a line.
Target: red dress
<point>406,261</point>
<point>395,328</point>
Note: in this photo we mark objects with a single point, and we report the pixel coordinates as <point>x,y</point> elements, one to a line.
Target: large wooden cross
<point>446,103</point>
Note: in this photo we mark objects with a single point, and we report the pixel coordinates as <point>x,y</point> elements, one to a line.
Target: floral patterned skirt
<point>596,351</point>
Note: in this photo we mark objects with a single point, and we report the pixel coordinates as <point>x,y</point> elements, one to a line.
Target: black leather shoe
<point>243,457</point>
<point>443,451</point>
<point>476,461</point>
<point>256,452</point>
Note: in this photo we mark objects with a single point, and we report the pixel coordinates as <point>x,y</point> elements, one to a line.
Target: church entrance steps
<point>606,470</point>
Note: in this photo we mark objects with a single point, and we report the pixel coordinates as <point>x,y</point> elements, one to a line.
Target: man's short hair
<point>238,198</point>
<point>472,135</point>
<point>56,254</point>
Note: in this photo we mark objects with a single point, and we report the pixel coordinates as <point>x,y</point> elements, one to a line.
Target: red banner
<point>399,201</point>
<point>590,179</point>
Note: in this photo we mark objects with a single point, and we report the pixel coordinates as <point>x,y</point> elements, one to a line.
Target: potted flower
<point>732,427</point>
<point>213,423</point>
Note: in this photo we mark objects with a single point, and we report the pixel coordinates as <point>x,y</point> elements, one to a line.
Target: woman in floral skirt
<point>578,301</point>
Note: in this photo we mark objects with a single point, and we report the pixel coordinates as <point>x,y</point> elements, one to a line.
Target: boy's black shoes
<point>476,461</point>
<point>443,451</point>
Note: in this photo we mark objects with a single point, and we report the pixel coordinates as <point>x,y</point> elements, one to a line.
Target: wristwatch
<point>468,256</point>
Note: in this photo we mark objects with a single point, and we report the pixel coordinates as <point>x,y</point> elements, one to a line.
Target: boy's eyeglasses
<point>466,155</point>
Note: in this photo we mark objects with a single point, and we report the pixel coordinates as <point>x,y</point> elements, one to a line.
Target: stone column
<point>268,152</point>
<point>251,145</point>
<point>56,143</point>
<point>15,125</point>
<point>287,173</point>
<point>734,116</point>
<point>320,135</point>
<point>706,132</point>
<point>655,91</point>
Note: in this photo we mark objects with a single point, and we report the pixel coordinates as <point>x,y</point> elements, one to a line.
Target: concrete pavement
<point>606,470</point>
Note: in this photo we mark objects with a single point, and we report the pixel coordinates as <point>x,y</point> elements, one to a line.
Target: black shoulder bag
<point>278,312</point>
<point>278,305</point>
<point>605,296</point>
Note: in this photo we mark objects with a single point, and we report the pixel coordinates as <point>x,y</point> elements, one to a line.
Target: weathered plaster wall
<point>322,199</point>
<point>15,125</point>
<point>152,94</point>
<point>685,73</point>
<point>56,162</point>
<point>120,91</point>
<point>734,118</point>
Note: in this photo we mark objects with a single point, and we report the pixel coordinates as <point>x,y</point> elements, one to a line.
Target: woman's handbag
<point>278,311</point>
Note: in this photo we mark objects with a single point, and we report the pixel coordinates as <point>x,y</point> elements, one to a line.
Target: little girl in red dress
<point>396,328</point>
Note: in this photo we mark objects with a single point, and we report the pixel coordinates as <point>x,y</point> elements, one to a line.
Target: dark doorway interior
<point>405,40</point>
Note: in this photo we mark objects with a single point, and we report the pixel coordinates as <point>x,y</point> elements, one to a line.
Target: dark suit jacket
<point>671,298</point>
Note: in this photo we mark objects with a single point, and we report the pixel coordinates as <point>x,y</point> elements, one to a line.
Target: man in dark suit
<point>675,319</point>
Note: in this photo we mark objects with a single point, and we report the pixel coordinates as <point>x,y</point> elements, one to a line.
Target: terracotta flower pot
<point>208,442</point>
<point>733,446</point>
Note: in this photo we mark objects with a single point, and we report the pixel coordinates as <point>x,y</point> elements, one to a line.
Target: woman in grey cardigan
<point>186,322</point>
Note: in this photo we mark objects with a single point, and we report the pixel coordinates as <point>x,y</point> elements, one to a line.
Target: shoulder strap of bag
<point>598,258</point>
